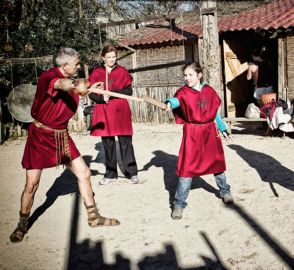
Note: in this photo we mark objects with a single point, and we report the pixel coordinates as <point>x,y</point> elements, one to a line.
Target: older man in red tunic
<point>49,144</point>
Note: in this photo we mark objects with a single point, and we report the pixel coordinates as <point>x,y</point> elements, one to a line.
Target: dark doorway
<point>236,53</point>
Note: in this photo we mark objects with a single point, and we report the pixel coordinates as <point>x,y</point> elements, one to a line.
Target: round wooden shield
<point>20,101</point>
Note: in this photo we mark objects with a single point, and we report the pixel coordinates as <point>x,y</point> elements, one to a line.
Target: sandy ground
<point>256,233</point>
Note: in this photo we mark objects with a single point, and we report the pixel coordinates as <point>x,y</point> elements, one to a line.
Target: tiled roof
<point>277,14</point>
<point>153,34</point>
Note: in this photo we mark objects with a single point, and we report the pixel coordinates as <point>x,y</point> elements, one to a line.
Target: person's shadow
<point>168,163</point>
<point>65,184</point>
<point>269,169</point>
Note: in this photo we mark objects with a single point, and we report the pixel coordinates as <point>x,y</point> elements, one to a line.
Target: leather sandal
<point>96,220</point>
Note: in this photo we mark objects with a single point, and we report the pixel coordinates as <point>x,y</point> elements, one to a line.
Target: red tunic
<point>201,150</point>
<point>53,108</point>
<point>115,117</point>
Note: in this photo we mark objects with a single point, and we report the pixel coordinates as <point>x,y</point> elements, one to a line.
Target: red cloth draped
<point>201,151</point>
<point>53,108</point>
<point>115,117</point>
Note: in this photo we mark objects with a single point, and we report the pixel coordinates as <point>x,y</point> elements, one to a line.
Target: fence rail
<point>146,113</point>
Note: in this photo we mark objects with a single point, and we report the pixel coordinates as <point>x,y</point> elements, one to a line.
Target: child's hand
<point>168,107</point>
<point>228,137</point>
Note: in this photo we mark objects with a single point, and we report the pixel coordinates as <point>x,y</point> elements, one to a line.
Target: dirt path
<point>257,233</point>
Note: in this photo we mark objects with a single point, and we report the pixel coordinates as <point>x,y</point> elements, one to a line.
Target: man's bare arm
<point>251,72</point>
<point>64,84</point>
<point>79,86</point>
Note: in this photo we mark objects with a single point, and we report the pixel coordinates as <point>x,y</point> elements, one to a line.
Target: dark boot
<point>21,229</point>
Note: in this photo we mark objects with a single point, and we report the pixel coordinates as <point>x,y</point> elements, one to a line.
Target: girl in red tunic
<point>195,105</point>
<point>112,116</point>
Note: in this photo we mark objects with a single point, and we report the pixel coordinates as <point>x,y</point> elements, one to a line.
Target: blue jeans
<point>184,186</point>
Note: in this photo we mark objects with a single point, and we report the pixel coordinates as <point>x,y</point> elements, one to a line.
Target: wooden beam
<point>21,61</point>
<point>147,18</point>
<point>147,99</point>
<point>125,46</point>
<point>207,11</point>
<point>231,66</point>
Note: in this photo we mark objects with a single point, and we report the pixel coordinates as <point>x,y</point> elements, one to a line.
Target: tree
<point>43,27</point>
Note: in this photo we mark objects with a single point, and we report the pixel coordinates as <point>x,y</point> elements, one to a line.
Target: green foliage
<point>57,24</point>
<point>34,28</point>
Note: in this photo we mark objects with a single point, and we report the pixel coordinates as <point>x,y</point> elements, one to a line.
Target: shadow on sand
<point>89,255</point>
<point>168,163</point>
<point>269,169</point>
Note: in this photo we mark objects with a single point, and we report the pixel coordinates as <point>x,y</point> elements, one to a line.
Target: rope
<point>11,75</point>
<point>171,32</point>
<point>36,74</point>
<point>106,80</point>
<point>182,19</point>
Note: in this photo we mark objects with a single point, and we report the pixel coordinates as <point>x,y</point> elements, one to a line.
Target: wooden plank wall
<point>159,66</point>
<point>290,66</point>
<point>146,113</point>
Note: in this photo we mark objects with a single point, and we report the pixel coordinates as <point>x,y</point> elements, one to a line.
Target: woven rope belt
<point>61,140</point>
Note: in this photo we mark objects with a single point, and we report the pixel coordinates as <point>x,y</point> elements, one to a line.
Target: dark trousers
<point>127,156</point>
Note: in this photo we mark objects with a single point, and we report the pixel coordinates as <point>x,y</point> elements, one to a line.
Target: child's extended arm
<point>172,103</point>
<point>222,127</point>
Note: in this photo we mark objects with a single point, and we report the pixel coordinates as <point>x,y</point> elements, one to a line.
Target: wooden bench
<point>231,120</point>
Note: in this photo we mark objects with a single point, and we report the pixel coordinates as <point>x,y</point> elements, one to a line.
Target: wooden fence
<point>142,112</point>
<point>146,113</point>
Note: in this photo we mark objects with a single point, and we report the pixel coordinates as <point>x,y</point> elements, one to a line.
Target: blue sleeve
<point>220,123</point>
<point>174,102</point>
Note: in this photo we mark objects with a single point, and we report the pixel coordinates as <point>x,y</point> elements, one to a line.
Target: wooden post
<point>81,12</point>
<point>282,68</point>
<point>86,70</point>
<point>134,63</point>
<point>210,50</point>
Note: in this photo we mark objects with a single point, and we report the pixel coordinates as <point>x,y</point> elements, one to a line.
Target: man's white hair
<point>66,56</point>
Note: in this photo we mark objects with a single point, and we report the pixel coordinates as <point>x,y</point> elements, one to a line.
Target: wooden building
<point>159,50</point>
<point>269,25</point>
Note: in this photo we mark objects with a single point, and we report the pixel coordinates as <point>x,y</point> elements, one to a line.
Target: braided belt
<point>61,140</point>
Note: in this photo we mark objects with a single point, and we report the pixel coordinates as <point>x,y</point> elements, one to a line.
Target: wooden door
<point>286,67</point>
<point>237,93</point>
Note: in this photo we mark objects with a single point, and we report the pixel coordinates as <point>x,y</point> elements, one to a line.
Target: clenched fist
<point>81,86</point>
